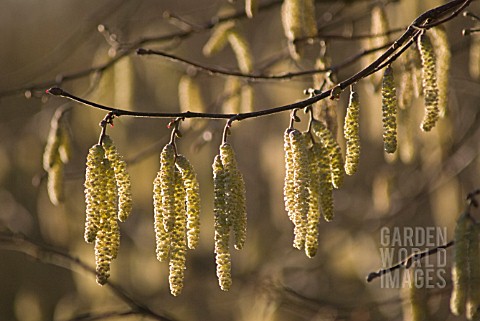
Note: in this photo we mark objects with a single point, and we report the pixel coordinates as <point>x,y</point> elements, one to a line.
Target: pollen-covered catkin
<point>222,226</point>
<point>236,199</point>
<point>326,187</point>
<point>351,133</point>
<point>313,217</point>
<point>473,301</point>
<point>55,183</point>
<point>460,268</point>
<point>241,50</point>
<point>122,179</point>
<point>164,201</point>
<point>443,56</point>
<point>301,181</point>
<point>95,182</point>
<point>288,187</point>
<point>192,200</point>
<point>178,247</point>
<point>389,111</point>
<point>333,150</point>
<point>429,76</point>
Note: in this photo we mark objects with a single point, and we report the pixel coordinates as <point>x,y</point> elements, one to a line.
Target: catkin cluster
<point>466,269</point>
<point>108,199</point>
<point>307,188</point>
<point>389,111</point>
<point>176,203</point>
<point>58,152</point>
<point>443,56</point>
<point>429,76</point>
<point>352,134</point>
<point>229,211</point>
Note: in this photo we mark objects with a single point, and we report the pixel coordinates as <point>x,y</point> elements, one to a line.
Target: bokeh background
<point>45,42</point>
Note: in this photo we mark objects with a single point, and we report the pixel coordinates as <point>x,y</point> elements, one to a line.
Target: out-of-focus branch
<point>53,256</point>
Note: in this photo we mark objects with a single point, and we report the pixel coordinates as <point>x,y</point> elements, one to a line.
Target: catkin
<point>178,245</point>
<point>389,111</point>
<point>94,186</point>
<point>298,19</point>
<point>443,59</point>
<point>192,200</point>
<point>58,151</point>
<point>313,217</point>
<point>473,301</point>
<point>235,190</point>
<point>218,39</point>
<point>122,179</point>
<point>460,268</point>
<point>164,201</point>
<point>222,226</point>
<point>379,27</point>
<point>326,187</point>
<point>351,133</point>
<point>288,187</point>
<point>415,296</point>
<point>430,88</point>
<point>232,101</point>
<point>241,50</point>
<point>333,150</point>
<point>251,8</point>
<point>301,181</point>
<point>190,99</point>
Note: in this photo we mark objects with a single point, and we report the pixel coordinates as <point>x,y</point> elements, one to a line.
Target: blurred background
<point>42,251</point>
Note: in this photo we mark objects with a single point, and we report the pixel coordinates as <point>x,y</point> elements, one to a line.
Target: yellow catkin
<point>222,226</point>
<point>443,55</point>
<point>122,179</point>
<point>429,76</point>
<point>65,148</point>
<point>108,237</point>
<point>313,217</point>
<point>251,8</point>
<point>55,183</point>
<point>352,135</point>
<point>232,101</point>
<point>235,191</point>
<point>389,111</point>
<point>326,187</point>
<point>164,200</point>
<point>192,190</point>
<point>178,246</point>
<point>190,99</point>
<point>333,150</point>
<point>218,39</point>
<point>301,181</point>
<point>242,51</point>
<point>473,301</point>
<point>51,152</point>
<point>288,187</point>
<point>460,268</point>
<point>298,19</point>
<point>94,185</point>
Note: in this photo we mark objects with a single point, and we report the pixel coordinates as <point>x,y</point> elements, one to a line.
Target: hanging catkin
<point>443,56</point>
<point>164,201</point>
<point>178,246</point>
<point>333,150</point>
<point>236,200</point>
<point>288,187</point>
<point>218,39</point>
<point>389,111</point>
<point>192,200</point>
<point>430,88</point>
<point>222,226</point>
<point>460,268</point>
<point>313,217</point>
<point>122,179</point>
<point>351,133</point>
